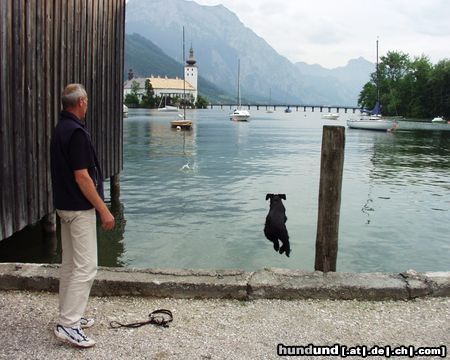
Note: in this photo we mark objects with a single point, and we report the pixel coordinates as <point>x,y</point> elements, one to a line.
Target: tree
<point>418,87</point>
<point>202,103</point>
<point>132,99</point>
<point>411,88</point>
<point>148,99</point>
<point>439,85</point>
<point>392,69</point>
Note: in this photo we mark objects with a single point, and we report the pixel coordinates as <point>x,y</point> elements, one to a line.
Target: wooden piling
<point>115,188</point>
<point>49,223</point>
<point>331,169</point>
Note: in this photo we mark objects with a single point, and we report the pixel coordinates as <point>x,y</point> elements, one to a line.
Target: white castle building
<point>164,86</point>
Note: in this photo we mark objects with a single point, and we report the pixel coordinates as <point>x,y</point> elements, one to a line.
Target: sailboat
<point>239,114</point>
<point>372,119</point>
<point>166,107</point>
<point>269,110</point>
<point>183,123</point>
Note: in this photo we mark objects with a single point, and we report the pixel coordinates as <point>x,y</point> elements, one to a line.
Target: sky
<point>331,32</point>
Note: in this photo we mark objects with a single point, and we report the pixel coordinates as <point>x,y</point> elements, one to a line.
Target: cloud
<point>331,32</point>
<point>431,18</point>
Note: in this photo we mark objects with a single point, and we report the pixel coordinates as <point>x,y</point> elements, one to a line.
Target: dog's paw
<point>276,246</point>
<point>286,250</point>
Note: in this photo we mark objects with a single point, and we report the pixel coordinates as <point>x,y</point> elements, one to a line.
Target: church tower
<point>191,72</point>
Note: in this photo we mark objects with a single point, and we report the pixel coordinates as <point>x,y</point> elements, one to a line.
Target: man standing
<point>77,194</point>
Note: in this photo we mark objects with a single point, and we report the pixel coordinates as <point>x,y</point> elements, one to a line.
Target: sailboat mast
<point>378,79</point>
<point>184,83</point>
<point>239,88</point>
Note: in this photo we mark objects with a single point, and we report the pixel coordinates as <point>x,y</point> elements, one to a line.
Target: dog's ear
<point>282,196</point>
<point>269,196</point>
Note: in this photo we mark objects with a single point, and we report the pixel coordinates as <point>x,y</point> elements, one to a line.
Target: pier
<point>296,107</point>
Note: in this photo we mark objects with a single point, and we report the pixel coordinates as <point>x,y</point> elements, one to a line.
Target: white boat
<point>372,119</point>
<point>239,114</point>
<point>372,123</point>
<point>330,116</point>
<point>438,120</point>
<point>166,108</point>
<point>125,110</point>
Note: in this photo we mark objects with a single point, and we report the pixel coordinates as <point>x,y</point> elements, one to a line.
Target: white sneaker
<point>86,322</point>
<point>74,336</point>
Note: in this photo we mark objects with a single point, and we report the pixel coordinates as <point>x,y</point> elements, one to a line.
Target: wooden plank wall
<point>45,45</point>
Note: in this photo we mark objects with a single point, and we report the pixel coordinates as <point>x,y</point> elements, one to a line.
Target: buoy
<point>178,127</point>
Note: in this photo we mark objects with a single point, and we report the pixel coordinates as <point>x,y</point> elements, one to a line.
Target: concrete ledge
<point>172,283</point>
<point>270,283</point>
<point>285,284</point>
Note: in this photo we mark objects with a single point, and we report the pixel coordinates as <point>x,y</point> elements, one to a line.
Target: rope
<point>161,317</point>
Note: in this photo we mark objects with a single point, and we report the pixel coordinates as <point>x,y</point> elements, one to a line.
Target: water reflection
<point>405,154</point>
<point>399,183</point>
<point>110,243</point>
<point>405,159</point>
<point>34,245</point>
<point>31,245</point>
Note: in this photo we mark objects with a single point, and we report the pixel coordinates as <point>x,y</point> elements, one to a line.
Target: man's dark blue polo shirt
<point>71,149</point>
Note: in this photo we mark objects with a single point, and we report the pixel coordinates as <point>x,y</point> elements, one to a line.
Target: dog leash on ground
<point>160,317</point>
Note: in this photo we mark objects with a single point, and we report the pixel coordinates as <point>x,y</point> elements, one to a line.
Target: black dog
<point>275,228</point>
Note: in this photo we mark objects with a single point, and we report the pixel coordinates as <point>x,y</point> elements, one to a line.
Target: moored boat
<point>330,116</point>
<point>438,120</point>
<point>168,108</point>
<point>372,123</point>
<point>372,119</point>
<point>239,114</point>
<point>182,123</point>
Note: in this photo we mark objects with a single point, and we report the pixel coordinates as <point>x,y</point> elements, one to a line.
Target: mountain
<point>353,76</point>
<point>146,59</point>
<point>219,39</point>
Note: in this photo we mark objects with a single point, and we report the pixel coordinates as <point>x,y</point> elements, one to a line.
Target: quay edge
<point>269,283</point>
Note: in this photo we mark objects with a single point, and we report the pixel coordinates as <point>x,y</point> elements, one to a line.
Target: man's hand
<point>88,189</point>
<point>107,220</point>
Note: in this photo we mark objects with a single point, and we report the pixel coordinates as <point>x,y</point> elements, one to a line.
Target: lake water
<point>196,199</point>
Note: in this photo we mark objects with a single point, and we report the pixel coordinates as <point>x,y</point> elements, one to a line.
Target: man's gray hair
<point>71,94</point>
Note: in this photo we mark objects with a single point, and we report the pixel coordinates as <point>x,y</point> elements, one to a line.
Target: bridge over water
<point>320,108</point>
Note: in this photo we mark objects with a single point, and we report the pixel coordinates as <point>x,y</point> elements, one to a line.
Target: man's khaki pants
<point>79,263</point>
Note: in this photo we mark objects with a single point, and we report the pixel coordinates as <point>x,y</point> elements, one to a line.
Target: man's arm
<point>88,189</point>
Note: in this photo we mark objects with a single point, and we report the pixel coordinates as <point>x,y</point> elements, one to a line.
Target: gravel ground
<point>220,329</point>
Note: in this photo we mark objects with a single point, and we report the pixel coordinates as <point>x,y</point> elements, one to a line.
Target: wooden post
<point>49,237</point>
<point>331,169</point>
<point>49,223</point>
<point>115,188</point>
